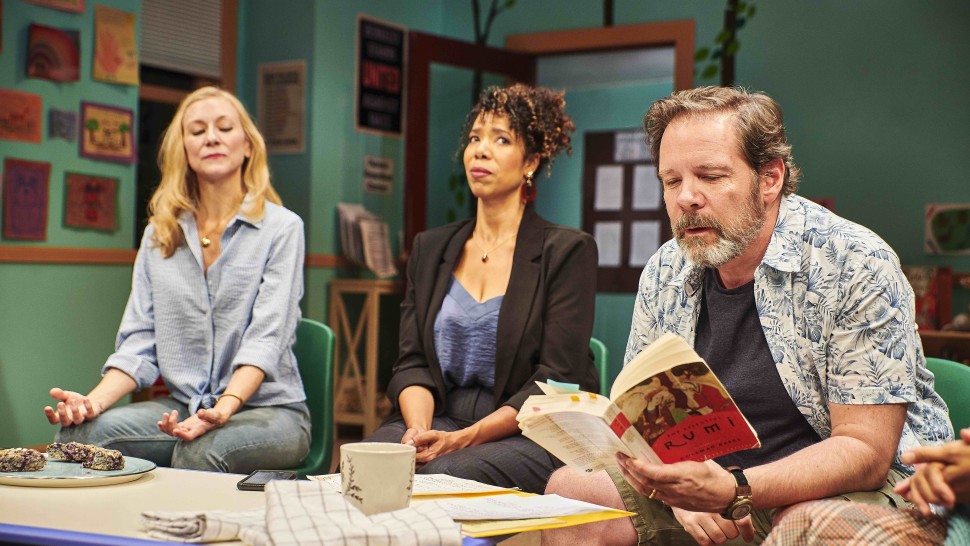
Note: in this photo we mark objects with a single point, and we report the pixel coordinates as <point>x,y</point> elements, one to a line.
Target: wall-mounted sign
<point>281,109</point>
<point>380,76</point>
<point>378,174</point>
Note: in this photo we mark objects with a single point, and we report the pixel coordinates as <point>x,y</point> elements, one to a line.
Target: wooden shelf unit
<point>356,392</point>
<point>946,344</point>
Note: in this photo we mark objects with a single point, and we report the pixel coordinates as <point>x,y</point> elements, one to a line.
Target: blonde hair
<point>178,191</point>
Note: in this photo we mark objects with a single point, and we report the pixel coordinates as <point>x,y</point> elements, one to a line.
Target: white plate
<point>61,474</point>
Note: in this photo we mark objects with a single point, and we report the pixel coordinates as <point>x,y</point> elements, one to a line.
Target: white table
<point>110,515</point>
<point>115,510</point>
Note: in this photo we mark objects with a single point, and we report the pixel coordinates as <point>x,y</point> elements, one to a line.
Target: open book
<point>666,406</point>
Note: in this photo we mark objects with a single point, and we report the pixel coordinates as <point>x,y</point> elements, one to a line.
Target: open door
<point>425,50</point>
<point>518,63</point>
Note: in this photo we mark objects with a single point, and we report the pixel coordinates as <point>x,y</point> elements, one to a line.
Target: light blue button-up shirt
<point>195,328</point>
<point>836,311</point>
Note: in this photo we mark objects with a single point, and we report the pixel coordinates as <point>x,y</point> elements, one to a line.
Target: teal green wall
<point>874,94</point>
<point>57,323</point>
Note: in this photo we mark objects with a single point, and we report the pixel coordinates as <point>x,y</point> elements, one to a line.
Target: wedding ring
<point>651,495</point>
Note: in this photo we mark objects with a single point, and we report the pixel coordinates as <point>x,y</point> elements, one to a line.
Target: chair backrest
<point>953,385</point>
<point>314,356</point>
<point>600,354</point>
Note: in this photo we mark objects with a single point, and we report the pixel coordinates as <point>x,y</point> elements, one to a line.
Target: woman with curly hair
<point>213,311</point>
<point>494,304</point>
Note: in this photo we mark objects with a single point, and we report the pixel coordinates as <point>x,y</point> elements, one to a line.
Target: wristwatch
<point>741,505</point>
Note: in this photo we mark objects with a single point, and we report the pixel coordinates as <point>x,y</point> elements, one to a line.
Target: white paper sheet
<point>515,507</point>
<point>427,484</point>
<point>630,146</point>
<point>644,242</point>
<point>609,188</point>
<point>646,188</point>
<point>607,235</point>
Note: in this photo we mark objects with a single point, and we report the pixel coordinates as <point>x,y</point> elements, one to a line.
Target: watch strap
<point>742,489</point>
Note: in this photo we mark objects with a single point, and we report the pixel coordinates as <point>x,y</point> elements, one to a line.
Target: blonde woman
<point>213,310</point>
<point>494,304</point>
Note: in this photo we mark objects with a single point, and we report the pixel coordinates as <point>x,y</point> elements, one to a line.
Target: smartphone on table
<point>258,479</point>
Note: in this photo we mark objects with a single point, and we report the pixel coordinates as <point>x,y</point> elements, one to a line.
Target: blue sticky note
<point>564,386</point>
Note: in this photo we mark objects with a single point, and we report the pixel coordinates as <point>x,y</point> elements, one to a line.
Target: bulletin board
<point>622,206</point>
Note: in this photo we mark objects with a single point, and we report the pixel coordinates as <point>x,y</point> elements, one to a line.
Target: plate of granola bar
<point>69,464</point>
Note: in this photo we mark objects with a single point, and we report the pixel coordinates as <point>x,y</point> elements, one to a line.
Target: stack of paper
<point>486,510</point>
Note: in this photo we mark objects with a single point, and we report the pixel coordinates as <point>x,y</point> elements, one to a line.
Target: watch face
<point>740,510</point>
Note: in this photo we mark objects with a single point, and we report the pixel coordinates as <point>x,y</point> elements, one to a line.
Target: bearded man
<point>805,317</point>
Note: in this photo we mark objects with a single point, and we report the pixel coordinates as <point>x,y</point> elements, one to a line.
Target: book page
<point>584,430</point>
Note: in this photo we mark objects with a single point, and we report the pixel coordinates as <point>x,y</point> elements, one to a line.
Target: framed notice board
<point>622,206</point>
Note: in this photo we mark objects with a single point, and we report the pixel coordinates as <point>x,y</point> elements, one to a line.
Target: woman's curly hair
<point>537,115</point>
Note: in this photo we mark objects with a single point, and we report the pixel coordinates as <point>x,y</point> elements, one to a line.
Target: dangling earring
<point>529,188</point>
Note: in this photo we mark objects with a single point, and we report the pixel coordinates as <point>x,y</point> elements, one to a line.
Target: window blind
<point>182,36</point>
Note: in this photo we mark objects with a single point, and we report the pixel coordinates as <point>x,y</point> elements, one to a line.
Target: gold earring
<point>528,189</point>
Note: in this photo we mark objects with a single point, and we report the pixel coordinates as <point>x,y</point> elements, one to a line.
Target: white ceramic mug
<point>377,477</point>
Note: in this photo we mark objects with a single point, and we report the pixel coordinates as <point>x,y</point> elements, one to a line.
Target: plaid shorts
<point>856,524</point>
<point>655,522</point>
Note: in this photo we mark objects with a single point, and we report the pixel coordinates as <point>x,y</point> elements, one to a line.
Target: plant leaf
<point>752,10</point>
<point>460,198</point>
<point>451,216</point>
<point>739,24</point>
<point>709,72</point>
<point>702,54</point>
<point>717,54</point>
<point>722,36</point>
<point>732,48</point>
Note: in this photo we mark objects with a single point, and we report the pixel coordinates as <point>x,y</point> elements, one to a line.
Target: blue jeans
<point>275,437</point>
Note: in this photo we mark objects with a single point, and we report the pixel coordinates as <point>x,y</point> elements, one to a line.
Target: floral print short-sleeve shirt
<point>837,313</point>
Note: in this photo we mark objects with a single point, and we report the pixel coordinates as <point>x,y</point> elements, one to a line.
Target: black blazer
<point>544,324</point>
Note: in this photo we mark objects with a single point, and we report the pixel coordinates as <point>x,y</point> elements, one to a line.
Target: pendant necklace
<point>206,241</point>
<point>485,252</point>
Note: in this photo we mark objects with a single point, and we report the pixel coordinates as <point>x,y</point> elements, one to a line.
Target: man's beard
<point>732,239</point>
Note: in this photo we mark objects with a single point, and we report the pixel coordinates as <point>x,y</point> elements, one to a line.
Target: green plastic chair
<point>314,356</point>
<point>600,354</point>
<point>953,385</point>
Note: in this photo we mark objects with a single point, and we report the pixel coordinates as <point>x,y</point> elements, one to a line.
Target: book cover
<point>666,405</point>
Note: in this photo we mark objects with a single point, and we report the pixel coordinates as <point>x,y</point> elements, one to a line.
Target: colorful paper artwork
<point>25,185</point>
<point>115,48</point>
<point>20,116</point>
<point>933,291</point>
<point>76,6</point>
<point>52,54</point>
<point>62,124</point>
<point>947,229</point>
<point>90,201</point>
<point>107,132</point>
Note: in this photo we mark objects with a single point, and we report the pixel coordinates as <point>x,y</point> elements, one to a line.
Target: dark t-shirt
<point>731,340</point>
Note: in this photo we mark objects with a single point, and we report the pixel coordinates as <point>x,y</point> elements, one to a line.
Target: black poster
<point>380,76</point>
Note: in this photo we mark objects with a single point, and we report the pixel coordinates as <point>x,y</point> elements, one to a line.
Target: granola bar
<point>104,459</point>
<point>19,459</point>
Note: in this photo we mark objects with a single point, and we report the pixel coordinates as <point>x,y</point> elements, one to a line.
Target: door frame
<point>518,63</point>
<point>679,34</point>
<point>423,51</point>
